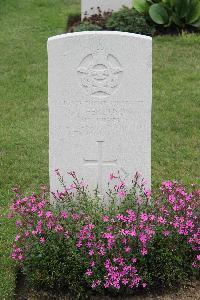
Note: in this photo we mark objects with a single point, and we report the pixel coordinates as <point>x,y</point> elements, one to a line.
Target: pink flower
<point>42,240</point>
<point>27,234</point>
<point>171,198</point>
<point>48,214</point>
<point>166,232</point>
<point>92,264</point>
<point>91,252</point>
<point>107,235</point>
<point>144,284</point>
<point>161,220</point>
<point>20,256</point>
<point>127,249</point>
<point>18,223</point>
<point>71,187</point>
<point>121,193</point>
<point>83,184</point>
<point>66,234</point>
<point>144,252</point>
<point>75,217</point>
<point>144,217</point>
<point>40,213</point>
<point>34,209</point>
<point>10,216</point>
<point>95,283</point>
<point>17,237</point>
<point>88,272</point>
<point>143,238</point>
<point>64,214</point>
<point>167,184</point>
<point>124,281</point>
<point>147,193</point>
<point>79,244</point>
<point>152,217</point>
<point>59,228</point>
<point>132,233</point>
<point>105,218</point>
<point>112,176</point>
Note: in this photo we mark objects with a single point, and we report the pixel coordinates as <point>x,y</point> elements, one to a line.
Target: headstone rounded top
<point>98,33</point>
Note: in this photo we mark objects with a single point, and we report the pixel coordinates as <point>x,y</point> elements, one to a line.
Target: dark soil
<point>190,291</point>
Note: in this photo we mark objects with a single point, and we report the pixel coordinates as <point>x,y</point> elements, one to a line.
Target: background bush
<point>127,20</point>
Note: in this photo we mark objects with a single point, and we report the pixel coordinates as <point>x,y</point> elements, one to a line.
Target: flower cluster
<point>179,212</point>
<point>37,220</point>
<point>122,238</point>
<point>115,243</point>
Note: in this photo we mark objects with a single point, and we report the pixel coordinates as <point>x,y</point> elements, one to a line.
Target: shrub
<point>182,14</point>
<point>129,20</point>
<point>84,247</point>
<point>87,26</point>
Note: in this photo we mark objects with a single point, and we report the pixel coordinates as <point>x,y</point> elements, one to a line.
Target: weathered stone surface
<point>90,7</point>
<point>99,105</point>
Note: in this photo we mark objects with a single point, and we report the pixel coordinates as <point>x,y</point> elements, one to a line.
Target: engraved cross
<point>100,163</point>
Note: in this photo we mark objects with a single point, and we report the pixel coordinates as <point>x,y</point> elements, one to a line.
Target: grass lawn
<point>25,27</point>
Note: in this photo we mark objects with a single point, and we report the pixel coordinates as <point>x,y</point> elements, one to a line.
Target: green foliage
<point>56,266</point>
<point>178,13</point>
<point>87,26</point>
<point>158,14</point>
<point>170,258</point>
<point>141,6</point>
<point>129,20</point>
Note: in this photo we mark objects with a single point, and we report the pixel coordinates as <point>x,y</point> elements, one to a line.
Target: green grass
<point>25,27</point>
<point>176,109</point>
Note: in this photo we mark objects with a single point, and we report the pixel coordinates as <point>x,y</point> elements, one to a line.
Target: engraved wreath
<point>100,73</point>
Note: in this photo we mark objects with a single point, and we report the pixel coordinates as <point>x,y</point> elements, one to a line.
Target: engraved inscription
<point>100,163</point>
<point>100,73</point>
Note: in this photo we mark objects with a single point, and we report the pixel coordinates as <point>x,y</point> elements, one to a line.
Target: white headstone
<point>90,7</point>
<point>99,106</point>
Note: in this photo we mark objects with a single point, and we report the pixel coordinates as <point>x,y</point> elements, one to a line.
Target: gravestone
<point>90,7</point>
<point>99,106</point>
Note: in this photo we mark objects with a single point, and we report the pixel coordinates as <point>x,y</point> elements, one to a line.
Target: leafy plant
<point>129,20</point>
<point>179,13</point>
